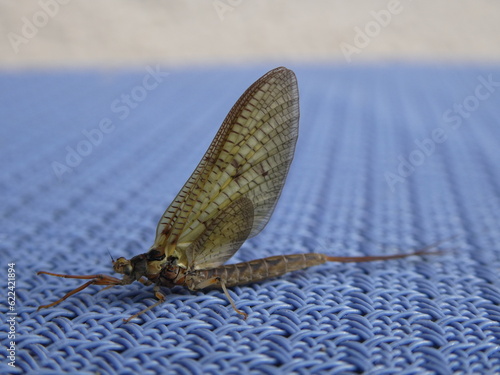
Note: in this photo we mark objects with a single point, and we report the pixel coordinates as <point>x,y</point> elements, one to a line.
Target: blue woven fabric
<point>389,159</point>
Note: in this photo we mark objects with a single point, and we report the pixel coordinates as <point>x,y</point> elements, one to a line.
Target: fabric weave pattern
<point>389,159</point>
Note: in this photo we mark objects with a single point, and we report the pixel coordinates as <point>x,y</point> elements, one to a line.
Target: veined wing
<point>249,157</point>
<point>223,236</point>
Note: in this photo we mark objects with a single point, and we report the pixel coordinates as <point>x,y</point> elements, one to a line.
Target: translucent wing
<point>223,236</point>
<point>249,157</point>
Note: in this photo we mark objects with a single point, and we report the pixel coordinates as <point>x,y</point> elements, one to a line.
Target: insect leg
<point>81,287</point>
<point>223,285</point>
<point>216,281</point>
<point>94,280</point>
<point>145,281</point>
<point>161,299</point>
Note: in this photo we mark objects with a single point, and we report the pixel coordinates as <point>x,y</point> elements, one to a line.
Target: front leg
<point>143,280</point>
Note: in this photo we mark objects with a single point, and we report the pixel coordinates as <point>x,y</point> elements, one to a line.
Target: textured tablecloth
<point>389,159</point>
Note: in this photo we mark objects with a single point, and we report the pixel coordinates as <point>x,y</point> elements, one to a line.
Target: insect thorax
<point>160,270</point>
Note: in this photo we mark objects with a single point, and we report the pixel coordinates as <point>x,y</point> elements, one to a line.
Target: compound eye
<point>123,266</point>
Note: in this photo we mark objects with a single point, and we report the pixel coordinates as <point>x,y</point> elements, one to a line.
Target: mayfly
<point>229,198</point>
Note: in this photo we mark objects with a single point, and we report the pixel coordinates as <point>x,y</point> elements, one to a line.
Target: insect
<point>229,198</point>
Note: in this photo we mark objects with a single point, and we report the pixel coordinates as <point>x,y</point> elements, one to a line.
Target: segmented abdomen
<point>253,271</point>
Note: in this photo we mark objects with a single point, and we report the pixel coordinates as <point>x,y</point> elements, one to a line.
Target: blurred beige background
<point>55,33</point>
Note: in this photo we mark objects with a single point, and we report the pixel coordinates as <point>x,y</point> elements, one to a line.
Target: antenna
<point>111,256</point>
